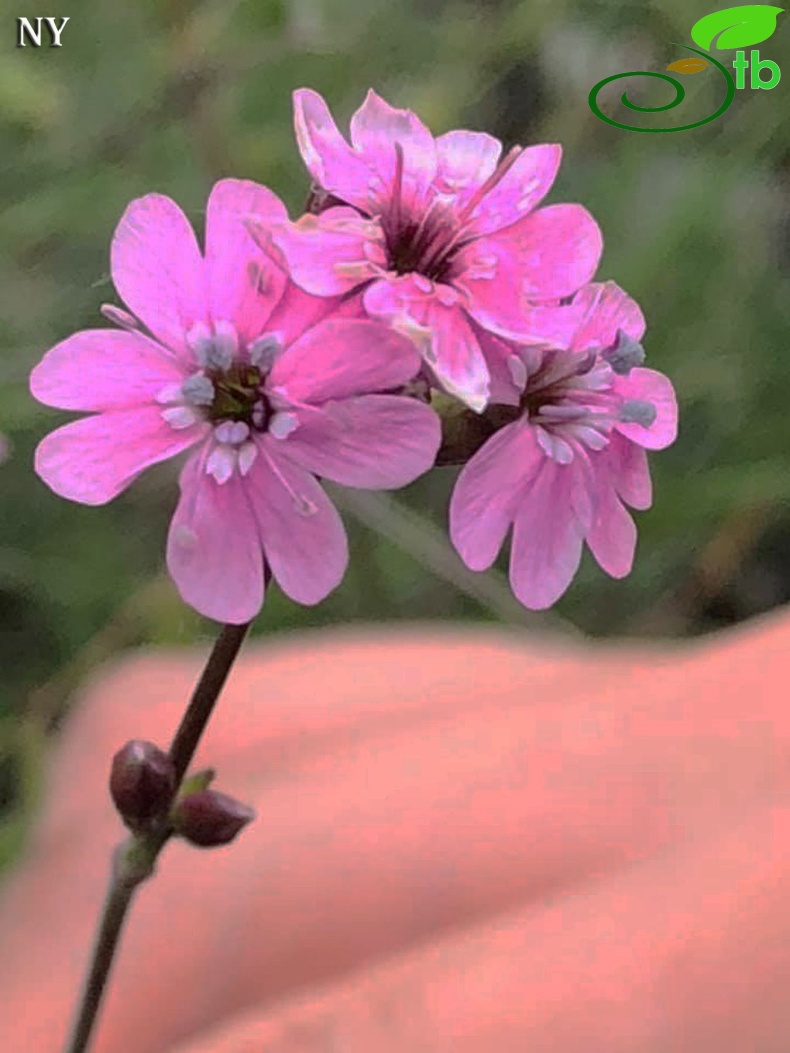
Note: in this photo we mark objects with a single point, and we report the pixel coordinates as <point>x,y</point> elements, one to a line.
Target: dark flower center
<point>424,248</point>
<point>238,396</point>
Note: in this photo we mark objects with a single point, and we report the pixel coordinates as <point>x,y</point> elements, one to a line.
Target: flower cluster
<point>288,352</point>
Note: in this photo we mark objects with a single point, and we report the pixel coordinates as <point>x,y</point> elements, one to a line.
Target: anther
<point>638,411</point>
<point>625,354</point>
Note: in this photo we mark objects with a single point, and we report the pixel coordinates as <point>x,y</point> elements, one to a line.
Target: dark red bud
<point>209,818</point>
<point>142,782</point>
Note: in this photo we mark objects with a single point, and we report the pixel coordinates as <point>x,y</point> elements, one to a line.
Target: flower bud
<point>210,818</point>
<point>142,782</point>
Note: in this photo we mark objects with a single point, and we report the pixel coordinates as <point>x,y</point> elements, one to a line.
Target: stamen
<point>638,411</point>
<point>396,213</point>
<point>421,229</point>
<point>496,176</point>
<point>198,338</point>
<point>198,390</point>
<point>304,506</point>
<point>226,343</point>
<point>169,393</point>
<point>246,457</point>
<point>554,447</point>
<point>180,417</point>
<point>213,351</point>
<point>282,424</point>
<point>625,354</point>
<point>264,351</point>
<point>562,412</point>
<point>221,463</point>
<point>439,245</point>
<point>587,434</point>
<point>231,432</point>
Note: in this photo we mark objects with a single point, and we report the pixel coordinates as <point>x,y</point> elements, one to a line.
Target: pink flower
<point>444,239</point>
<point>237,367</point>
<point>571,455</point>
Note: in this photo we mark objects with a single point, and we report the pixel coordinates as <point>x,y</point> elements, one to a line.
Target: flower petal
<point>328,157</point>
<point>521,188</point>
<point>244,285</point>
<point>605,308</point>
<point>501,275</point>
<point>375,129</point>
<point>438,329</point>
<point>612,535</point>
<point>375,442</point>
<point>330,254</point>
<point>546,256</point>
<point>213,548</point>
<point>505,373</point>
<point>297,311</point>
<point>102,369</point>
<point>465,160</point>
<point>628,469</point>
<point>655,388</point>
<point>303,538</point>
<point>93,459</point>
<point>158,270</point>
<point>550,524</point>
<point>488,491</point>
<point>340,358</point>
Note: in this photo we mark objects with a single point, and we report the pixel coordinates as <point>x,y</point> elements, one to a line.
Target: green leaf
<point>736,27</point>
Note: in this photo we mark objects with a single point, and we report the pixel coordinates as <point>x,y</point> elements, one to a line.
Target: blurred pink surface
<point>466,842</point>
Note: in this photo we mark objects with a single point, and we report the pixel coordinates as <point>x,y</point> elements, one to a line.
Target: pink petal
<point>498,275</point>
<point>244,285</point>
<point>329,159</point>
<point>503,371</point>
<point>629,471</point>
<point>303,537</point>
<point>375,442</point>
<point>550,525</point>
<point>297,311</point>
<point>561,247</point>
<point>375,129</point>
<point>213,548</point>
<point>612,536</point>
<point>340,358</point>
<point>465,160</point>
<point>546,256</point>
<point>605,308</point>
<point>488,491</point>
<point>520,189</point>
<point>439,330</point>
<point>656,388</point>
<point>330,254</point>
<point>93,459</point>
<point>101,369</point>
<point>158,270</point>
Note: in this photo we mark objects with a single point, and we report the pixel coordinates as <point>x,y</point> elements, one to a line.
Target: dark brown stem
<point>135,858</point>
<point>204,697</point>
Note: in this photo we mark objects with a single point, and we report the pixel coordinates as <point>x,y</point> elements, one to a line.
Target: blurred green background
<point>169,96</point>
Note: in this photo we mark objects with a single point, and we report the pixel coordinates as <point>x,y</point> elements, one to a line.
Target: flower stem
<point>204,697</point>
<point>134,859</point>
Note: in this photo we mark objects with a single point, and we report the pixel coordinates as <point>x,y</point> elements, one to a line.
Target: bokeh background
<point>169,96</point>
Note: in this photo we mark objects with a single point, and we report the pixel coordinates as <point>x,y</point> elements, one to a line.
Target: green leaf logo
<point>736,27</point>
